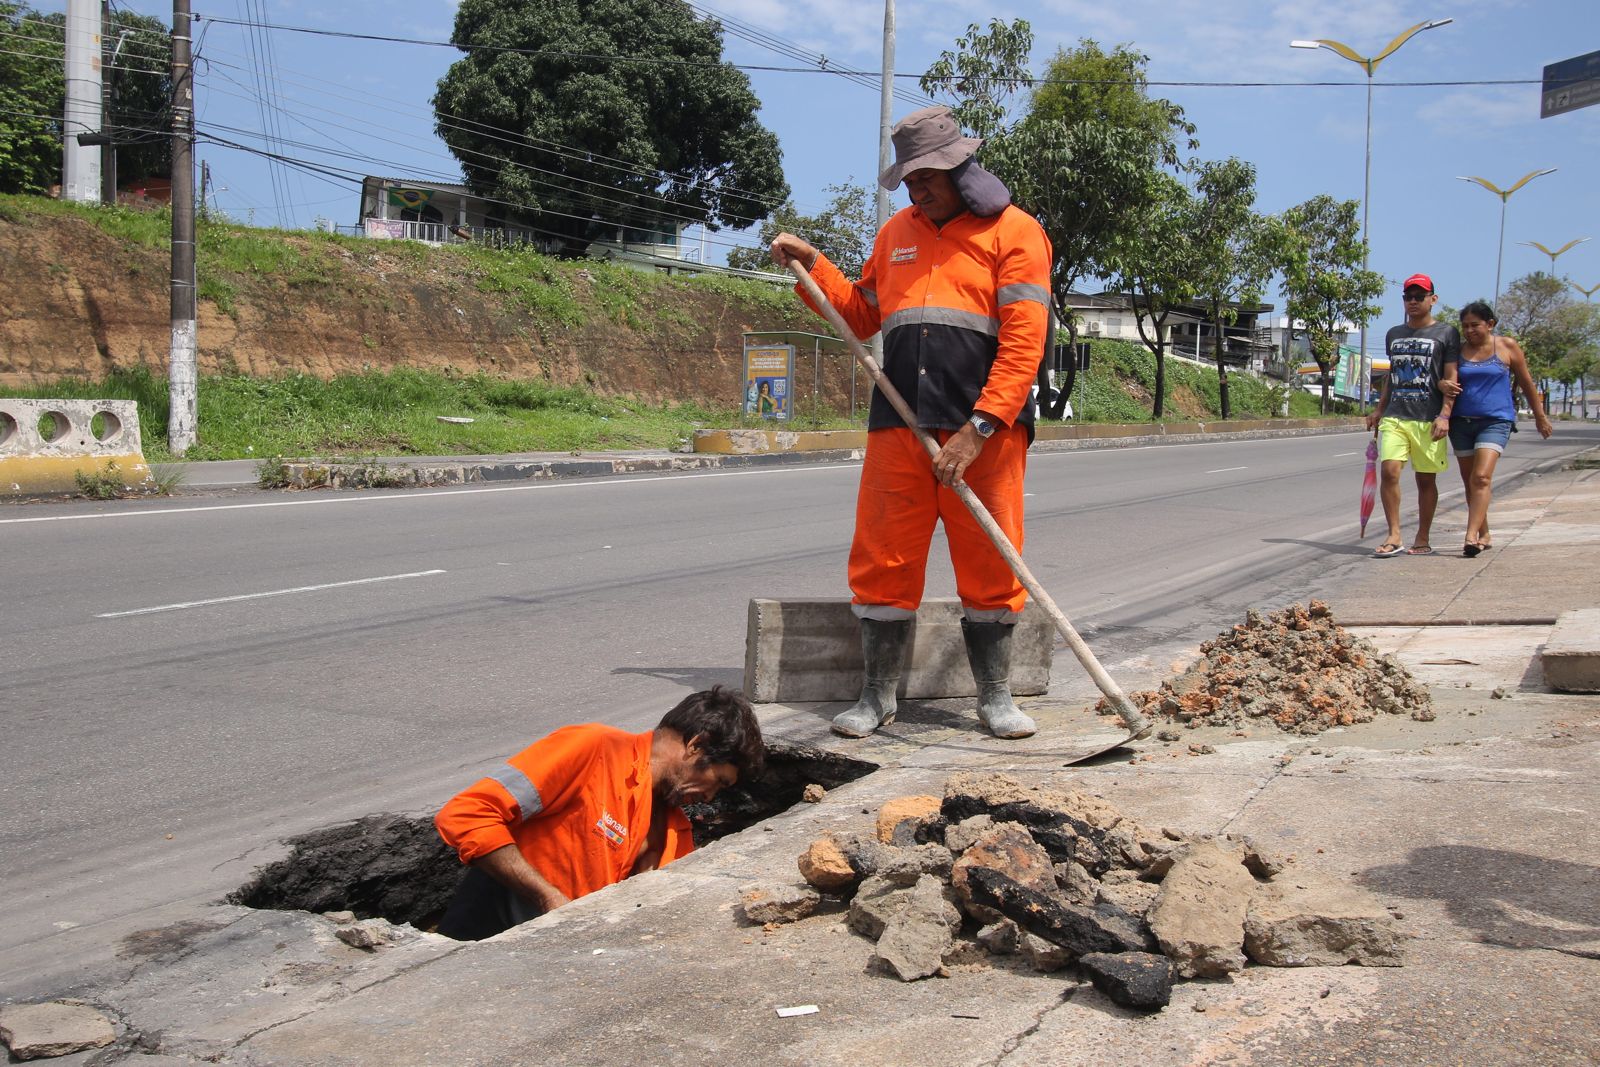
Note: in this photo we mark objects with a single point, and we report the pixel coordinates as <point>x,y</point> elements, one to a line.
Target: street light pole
<point>1370,65</point>
<point>1564,248</point>
<point>1504,195</point>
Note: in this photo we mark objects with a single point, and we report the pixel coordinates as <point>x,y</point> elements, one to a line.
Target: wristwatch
<point>984,427</point>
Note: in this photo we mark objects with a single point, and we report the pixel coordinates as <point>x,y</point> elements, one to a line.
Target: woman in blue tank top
<point>1485,415</point>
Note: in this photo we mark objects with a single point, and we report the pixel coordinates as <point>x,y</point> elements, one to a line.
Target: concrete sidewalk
<point>1476,829</point>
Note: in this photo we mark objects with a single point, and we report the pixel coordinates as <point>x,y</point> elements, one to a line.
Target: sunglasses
<point>1415,297</point>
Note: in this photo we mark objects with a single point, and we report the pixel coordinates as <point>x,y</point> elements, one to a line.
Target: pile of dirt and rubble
<point>1060,877</point>
<point>1296,669</point>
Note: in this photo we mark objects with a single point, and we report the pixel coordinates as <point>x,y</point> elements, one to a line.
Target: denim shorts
<point>1470,433</point>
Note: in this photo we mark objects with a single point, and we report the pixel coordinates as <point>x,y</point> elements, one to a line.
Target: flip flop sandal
<point>1420,550</point>
<point>1387,549</point>
<point>1471,549</point>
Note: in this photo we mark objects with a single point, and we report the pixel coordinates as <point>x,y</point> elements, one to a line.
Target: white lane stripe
<point>1341,455</point>
<point>641,478</point>
<point>258,596</point>
<point>1225,470</point>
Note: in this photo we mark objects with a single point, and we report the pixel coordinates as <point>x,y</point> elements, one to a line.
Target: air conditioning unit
<point>1093,326</point>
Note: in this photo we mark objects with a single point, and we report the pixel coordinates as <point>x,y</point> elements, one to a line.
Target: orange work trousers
<point>898,504</point>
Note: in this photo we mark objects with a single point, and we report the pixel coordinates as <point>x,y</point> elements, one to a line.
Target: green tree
<point>1079,160</point>
<point>1324,287</point>
<point>1090,85</point>
<point>1236,251</point>
<point>1558,333</point>
<point>33,97</point>
<point>32,88</point>
<point>843,231</point>
<point>981,76</point>
<point>579,103</point>
<point>1153,260</point>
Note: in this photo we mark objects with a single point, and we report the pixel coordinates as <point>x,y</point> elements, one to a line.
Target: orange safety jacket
<point>964,311</point>
<point>576,804</point>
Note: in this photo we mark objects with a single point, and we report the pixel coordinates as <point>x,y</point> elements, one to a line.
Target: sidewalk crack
<point>1015,1042</point>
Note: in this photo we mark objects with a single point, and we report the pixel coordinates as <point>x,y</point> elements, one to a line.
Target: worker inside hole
<point>588,806</point>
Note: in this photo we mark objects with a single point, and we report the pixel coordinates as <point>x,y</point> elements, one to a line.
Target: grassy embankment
<point>395,413</point>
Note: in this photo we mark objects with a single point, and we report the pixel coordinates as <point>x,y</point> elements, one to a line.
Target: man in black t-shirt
<point>1413,413</point>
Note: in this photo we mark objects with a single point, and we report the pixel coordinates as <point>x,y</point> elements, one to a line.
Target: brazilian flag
<point>413,199</point>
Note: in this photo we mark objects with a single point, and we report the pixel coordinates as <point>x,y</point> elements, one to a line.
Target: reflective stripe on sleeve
<point>522,790</point>
<point>923,316</point>
<point>1010,294</point>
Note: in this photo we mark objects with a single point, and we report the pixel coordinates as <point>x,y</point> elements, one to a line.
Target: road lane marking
<point>1225,470</point>
<point>1341,455</point>
<point>258,596</point>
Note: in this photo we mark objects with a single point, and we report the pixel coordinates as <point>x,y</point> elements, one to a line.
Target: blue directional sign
<point>1570,84</point>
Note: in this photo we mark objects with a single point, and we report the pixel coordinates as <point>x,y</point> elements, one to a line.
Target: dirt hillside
<point>86,294</point>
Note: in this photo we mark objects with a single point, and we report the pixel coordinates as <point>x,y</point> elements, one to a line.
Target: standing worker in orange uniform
<point>959,285</point>
<point>588,806</point>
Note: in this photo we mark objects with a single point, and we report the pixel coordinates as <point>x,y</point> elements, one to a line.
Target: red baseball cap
<point>1421,281</point>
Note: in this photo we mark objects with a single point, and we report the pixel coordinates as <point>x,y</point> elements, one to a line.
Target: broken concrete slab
<point>915,940</point>
<point>772,902</point>
<point>1139,980</point>
<point>1308,919</point>
<point>1198,916</point>
<point>57,1028</point>
<point>1571,656</point>
<point>877,900</point>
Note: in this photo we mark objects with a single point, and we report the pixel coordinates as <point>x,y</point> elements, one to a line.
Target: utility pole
<point>108,150</point>
<point>80,163</point>
<point>181,373</point>
<point>885,117</point>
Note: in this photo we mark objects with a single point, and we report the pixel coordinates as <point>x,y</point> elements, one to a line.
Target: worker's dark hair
<point>1479,309</point>
<point>727,728</point>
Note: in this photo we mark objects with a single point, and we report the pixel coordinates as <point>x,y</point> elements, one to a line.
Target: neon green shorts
<point>1405,439</point>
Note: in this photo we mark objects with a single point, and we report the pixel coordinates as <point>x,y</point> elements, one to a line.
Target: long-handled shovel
<point>1138,726</point>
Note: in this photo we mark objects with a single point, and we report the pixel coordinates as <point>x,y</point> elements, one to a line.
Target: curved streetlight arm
<point>1370,64</point>
<point>1395,44</point>
<point>1553,254</point>
<point>1528,177</point>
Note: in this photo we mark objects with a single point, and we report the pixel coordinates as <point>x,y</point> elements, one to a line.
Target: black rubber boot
<point>883,649</point>
<point>989,653</point>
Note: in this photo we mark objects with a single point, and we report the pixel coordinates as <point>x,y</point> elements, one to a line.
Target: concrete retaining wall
<point>810,649</point>
<point>45,444</point>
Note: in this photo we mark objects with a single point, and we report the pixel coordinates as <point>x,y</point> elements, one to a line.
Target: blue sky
<point>370,99</point>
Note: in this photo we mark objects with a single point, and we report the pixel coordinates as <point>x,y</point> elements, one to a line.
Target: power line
<point>1024,80</point>
<point>772,42</point>
<point>504,162</point>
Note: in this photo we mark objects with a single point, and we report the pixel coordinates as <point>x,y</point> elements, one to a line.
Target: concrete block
<point>810,650</point>
<point>45,444</point>
<point>1571,656</point>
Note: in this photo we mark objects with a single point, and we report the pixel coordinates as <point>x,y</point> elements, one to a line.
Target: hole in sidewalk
<point>790,768</point>
<point>395,867</point>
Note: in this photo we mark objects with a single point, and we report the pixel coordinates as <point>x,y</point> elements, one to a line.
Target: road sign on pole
<point>1570,84</point>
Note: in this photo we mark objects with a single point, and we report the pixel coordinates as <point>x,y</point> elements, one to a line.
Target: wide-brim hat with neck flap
<point>930,138</point>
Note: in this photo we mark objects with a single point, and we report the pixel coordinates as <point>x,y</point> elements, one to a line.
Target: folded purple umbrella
<point>1369,484</point>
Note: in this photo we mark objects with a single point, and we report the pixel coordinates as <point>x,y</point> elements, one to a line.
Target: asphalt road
<point>184,682</point>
